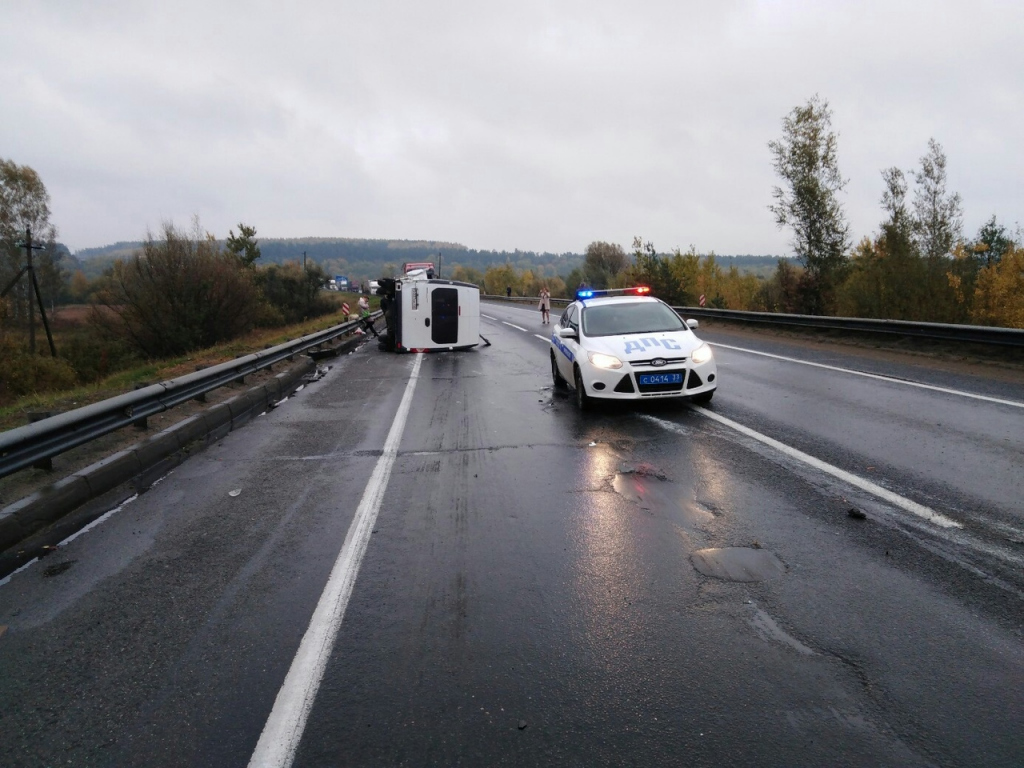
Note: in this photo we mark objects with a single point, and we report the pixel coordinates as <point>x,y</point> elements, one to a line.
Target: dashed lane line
<point>513,325</point>
<point>876,376</point>
<point>874,489</point>
<point>283,731</point>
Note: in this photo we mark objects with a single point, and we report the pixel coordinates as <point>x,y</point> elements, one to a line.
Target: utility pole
<point>33,285</point>
<point>305,283</point>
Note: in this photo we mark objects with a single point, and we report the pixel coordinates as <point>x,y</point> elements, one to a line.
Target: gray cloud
<point>534,125</point>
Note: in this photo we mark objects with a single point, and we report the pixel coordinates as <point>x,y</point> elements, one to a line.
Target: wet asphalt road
<point>530,593</point>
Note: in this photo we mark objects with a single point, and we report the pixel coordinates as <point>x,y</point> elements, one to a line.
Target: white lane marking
<point>542,338</point>
<point>487,316</point>
<point>513,325</point>
<point>283,731</point>
<point>12,574</point>
<point>102,518</point>
<point>847,477</point>
<point>877,376</point>
<point>98,521</point>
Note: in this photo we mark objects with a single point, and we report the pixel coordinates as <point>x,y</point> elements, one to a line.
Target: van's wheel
<point>556,378</point>
<point>703,398</point>
<point>583,401</point>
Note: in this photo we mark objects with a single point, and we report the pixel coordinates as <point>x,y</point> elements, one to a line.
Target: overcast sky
<point>533,125</point>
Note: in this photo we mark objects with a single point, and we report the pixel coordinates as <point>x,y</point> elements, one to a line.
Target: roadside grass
<point>147,372</point>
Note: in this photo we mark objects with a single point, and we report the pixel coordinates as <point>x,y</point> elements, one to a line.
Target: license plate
<point>660,378</point>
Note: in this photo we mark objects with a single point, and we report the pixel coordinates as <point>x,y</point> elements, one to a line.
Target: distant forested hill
<point>364,259</point>
<point>368,259</point>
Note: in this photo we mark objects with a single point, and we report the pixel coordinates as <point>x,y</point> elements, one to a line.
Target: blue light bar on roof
<point>591,293</point>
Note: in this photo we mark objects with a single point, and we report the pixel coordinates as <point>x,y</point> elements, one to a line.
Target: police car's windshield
<point>638,317</point>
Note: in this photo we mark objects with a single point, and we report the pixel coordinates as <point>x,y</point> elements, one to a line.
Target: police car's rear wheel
<point>583,401</point>
<point>556,377</point>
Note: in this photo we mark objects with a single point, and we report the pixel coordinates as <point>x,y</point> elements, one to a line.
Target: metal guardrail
<point>25,446</point>
<point>974,334</point>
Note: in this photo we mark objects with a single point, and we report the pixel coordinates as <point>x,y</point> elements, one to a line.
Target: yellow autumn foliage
<point>999,294</point>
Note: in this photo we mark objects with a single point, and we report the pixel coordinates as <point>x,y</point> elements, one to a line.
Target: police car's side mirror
<point>691,323</point>
<point>566,333</point>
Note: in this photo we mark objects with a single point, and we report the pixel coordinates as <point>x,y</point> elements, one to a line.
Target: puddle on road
<point>738,563</point>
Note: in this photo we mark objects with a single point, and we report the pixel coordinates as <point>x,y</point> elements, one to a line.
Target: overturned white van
<point>431,314</point>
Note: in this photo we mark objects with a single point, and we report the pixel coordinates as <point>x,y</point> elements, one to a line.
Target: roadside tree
<point>244,245</point>
<point>938,217</point>
<point>602,262</point>
<point>999,295</point>
<point>805,158</point>
<point>25,204</point>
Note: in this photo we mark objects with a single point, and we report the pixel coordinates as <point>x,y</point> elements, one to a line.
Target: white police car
<point>627,345</point>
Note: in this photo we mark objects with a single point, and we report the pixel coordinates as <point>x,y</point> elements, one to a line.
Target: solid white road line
<point>877,376</point>
<point>513,325</point>
<point>283,731</point>
<point>859,482</point>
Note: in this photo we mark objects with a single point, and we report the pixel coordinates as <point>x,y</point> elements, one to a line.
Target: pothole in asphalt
<point>648,488</point>
<point>642,470</point>
<point>738,563</point>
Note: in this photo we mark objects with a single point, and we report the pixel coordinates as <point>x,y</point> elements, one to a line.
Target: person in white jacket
<point>545,305</point>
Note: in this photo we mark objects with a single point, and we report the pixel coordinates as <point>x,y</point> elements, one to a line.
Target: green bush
<point>293,293</point>
<point>23,374</point>
<point>179,294</point>
<point>95,355</point>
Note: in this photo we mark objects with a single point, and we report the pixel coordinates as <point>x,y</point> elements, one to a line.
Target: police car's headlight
<point>702,354</point>
<point>601,360</point>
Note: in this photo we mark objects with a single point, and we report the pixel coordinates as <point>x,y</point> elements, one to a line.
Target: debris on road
<point>522,725</point>
<point>316,375</point>
<point>856,514</point>
<point>235,492</point>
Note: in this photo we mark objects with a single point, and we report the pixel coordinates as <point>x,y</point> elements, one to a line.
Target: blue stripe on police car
<point>563,348</point>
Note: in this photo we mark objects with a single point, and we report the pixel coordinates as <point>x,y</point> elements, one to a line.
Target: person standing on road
<point>508,291</point>
<point>545,305</point>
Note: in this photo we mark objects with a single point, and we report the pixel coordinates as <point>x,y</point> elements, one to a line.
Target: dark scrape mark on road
<point>738,563</point>
<point>58,568</point>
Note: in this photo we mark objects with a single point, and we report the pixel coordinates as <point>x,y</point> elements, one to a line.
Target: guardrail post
<point>201,397</point>
<point>142,423</point>
<point>33,417</point>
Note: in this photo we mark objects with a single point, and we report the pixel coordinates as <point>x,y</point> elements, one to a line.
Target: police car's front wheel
<point>556,377</point>
<point>583,401</point>
<point>703,398</point>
